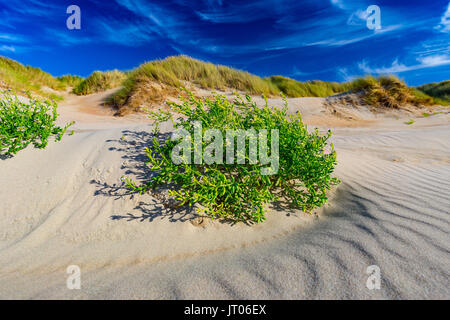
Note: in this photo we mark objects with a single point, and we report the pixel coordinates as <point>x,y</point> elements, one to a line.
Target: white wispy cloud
<point>345,75</point>
<point>5,48</point>
<point>358,17</point>
<point>444,25</point>
<point>397,67</point>
<point>334,42</point>
<point>125,33</point>
<point>338,3</point>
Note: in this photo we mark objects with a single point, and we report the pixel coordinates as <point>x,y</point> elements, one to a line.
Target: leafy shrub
<point>239,192</point>
<point>99,81</point>
<point>24,123</point>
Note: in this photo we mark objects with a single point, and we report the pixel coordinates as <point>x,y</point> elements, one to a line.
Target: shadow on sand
<point>133,146</point>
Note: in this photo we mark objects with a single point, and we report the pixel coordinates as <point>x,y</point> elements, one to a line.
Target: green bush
<point>240,192</point>
<point>24,123</point>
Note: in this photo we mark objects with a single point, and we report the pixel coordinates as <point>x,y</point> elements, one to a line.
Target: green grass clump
<point>99,81</point>
<point>173,71</point>
<point>440,91</point>
<point>17,77</point>
<point>70,80</point>
<point>24,123</point>
<point>411,121</point>
<point>389,92</point>
<point>293,88</point>
<point>240,192</point>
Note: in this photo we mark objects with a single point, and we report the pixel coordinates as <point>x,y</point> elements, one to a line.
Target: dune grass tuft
<point>99,81</point>
<point>173,71</point>
<point>389,91</point>
<point>70,80</point>
<point>20,78</point>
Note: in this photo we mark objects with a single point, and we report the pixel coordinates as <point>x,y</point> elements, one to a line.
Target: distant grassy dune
<point>389,91</point>
<point>315,88</point>
<point>70,80</point>
<point>99,81</point>
<point>172,71</point>
<point>440,91</point>
<point>152,81</point>
<point>20,78</point>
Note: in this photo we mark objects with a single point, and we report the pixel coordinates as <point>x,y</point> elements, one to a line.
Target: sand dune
<point>65,206</point>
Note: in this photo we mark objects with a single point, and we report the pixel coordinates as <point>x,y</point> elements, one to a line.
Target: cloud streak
<point>444,25</point>
<point>396,67</point>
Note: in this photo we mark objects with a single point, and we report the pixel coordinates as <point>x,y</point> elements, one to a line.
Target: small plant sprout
<point>239,190</point>
<point>411,121</point>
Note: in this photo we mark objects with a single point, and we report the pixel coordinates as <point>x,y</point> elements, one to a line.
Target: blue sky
<point>304,40</point>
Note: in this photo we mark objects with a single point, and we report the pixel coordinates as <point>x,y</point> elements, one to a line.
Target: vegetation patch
<point>20,78</point>
<point>389,92</point>
<point>99,81</point>
<point>174,71</point>
<point>293,88</point>
<point>69,80</point>
<point>440,91</point>
<point>23,123</point>
<point>240,191</point>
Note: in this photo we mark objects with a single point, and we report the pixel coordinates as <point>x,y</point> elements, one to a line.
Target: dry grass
<point>389,92</point>
<point>144,94</point>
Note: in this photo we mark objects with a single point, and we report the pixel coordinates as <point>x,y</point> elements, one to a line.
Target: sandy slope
<point>65,205</point>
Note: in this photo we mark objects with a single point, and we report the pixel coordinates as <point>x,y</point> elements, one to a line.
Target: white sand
<point>65,206</point>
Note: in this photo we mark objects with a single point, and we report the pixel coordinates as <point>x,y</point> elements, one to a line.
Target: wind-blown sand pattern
<point>65,205</point>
